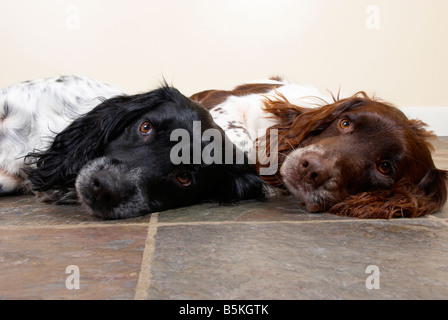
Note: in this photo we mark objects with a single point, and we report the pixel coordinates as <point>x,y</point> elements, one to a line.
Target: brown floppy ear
<point>282,110</point>
<point>419,129</point>
<point>403,200</point>
<point>434,185</point>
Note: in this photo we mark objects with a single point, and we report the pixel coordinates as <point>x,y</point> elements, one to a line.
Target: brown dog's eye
<point>384,167</point>
<point>344,124</point>
<point>145,127</point>
<point>184,179</point>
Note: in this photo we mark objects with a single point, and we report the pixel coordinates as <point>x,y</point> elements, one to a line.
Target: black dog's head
<point>123,159</point>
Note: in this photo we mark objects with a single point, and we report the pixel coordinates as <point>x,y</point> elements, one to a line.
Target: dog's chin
<point>125,199</point>
<point>110,214</point>
<point>312,201</point>
<point>315,201</point>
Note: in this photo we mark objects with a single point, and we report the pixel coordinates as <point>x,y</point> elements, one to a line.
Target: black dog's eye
<point>184,178</point>
<point>145,127</point>
<point>384,167</point>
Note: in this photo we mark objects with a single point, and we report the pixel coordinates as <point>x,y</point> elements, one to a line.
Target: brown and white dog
<point>355,156</point>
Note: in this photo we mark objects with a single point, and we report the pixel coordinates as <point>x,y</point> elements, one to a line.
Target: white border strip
<point>435,117</point>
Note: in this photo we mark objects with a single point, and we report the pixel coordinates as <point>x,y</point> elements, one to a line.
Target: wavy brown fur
<point>411,196</point>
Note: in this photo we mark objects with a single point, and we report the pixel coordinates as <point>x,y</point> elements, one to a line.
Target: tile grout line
<point>71,226</point>
<point>203,223</point>
<point>144,278</point>
<point>154,217</point>
<point>255,222</point>
<point>98,225</point>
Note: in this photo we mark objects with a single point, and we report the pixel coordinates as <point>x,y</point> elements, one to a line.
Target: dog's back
<point>33,112</point>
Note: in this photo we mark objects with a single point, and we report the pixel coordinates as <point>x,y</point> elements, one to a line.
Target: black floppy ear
<point>86,139</point>
<point>241,182</point>
<point>248,184</point>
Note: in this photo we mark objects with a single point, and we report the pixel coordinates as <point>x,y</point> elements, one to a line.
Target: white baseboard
<point>435,117</point>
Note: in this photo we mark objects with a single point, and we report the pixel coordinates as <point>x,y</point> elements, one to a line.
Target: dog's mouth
<point>109,189</point>
<point>317,188</point>
<point>319,200</point>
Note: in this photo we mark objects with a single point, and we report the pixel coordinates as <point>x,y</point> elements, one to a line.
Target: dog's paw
<point>9,185</point>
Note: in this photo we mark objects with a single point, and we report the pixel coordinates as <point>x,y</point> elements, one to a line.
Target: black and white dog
<point>33,112</point>
<point>116,159</point>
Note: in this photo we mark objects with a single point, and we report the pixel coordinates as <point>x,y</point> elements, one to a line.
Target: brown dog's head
<point>357,157</point>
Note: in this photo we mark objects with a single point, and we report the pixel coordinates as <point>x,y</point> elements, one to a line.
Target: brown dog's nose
<point>312,170</point>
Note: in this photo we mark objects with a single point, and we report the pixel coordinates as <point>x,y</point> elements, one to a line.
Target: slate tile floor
<point>254,250</point>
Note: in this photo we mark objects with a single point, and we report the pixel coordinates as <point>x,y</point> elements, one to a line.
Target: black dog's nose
<point>313,170</point>
<point>105,189</point>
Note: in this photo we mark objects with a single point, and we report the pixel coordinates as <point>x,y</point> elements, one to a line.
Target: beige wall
<point>397,49</point>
